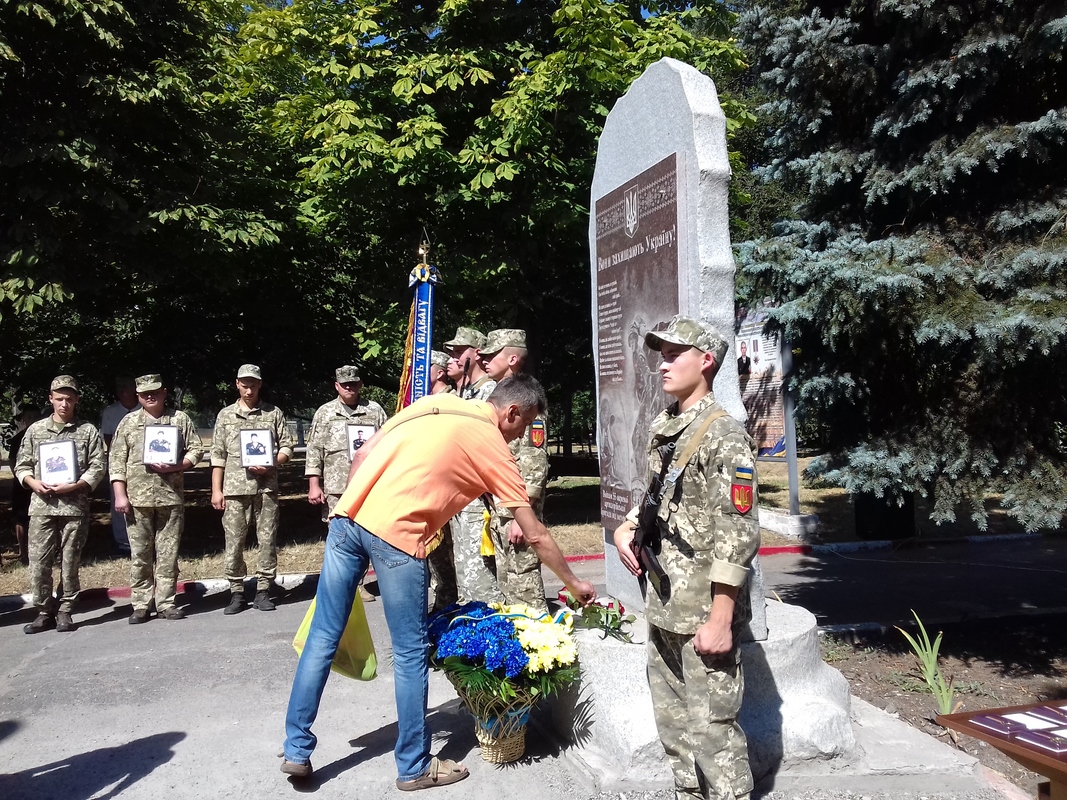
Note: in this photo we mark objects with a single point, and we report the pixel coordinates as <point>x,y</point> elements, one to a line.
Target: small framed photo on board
<point>160,445</point>
<point>59,462</point>
<point>257,448</point>
<point>357,437</point>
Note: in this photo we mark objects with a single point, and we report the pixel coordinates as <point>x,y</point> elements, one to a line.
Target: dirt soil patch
<point>992,663</point>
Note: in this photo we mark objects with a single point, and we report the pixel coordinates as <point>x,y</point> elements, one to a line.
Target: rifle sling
<point>691,447</point>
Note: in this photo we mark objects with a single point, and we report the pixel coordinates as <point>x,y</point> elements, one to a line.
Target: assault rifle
<point>646,541</point>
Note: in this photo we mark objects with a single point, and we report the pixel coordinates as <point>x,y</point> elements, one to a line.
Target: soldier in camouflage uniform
<point>152,497</point>
<point>475,573</point>
<point>329,456</point>
<point>518,569</point>
<point>242,493</point>
<point>439,380</point>
<point>439,555</point>
<point>59,512</point>
<point>708,533</point>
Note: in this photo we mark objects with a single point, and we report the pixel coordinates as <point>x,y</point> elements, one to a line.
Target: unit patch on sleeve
<point>537,433</point>
<point>741,489</point>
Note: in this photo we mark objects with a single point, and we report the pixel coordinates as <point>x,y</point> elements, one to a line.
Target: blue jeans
<point>403,582</point>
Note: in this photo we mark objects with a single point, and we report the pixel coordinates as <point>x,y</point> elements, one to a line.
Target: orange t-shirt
<point>430,461</point>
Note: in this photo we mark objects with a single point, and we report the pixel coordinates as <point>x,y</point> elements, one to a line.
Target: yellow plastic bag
<point>355,657</point>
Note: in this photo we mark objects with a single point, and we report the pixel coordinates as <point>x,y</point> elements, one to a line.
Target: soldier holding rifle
<point>692,541</point>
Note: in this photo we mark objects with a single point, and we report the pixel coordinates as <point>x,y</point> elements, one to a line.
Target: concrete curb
<point>879,628</point>
<point>14,602</point>
<point>889,544</point>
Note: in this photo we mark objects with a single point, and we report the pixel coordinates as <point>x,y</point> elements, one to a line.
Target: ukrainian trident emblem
<point>741,489</point>
<point>537,433</point>
<point>631,201</point>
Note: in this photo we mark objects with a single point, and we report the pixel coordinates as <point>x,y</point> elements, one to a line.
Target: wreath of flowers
<point>502,659</point>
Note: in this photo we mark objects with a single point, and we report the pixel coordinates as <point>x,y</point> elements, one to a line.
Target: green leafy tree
<point>198,183</point>
<point>477,122</point>
<point>923,281</point>
<point>147,222</point>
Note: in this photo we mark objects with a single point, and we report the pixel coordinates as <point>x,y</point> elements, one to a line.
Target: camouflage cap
<point>504,337</point>
<point>688,331</point>
<point>466,337</point>
<point>149,383</point>
<point>346,374</point>
<point>64,382</point>
<point>249,371</point>
<point>439,359</point>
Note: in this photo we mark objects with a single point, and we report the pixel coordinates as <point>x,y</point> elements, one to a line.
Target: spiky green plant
<point>927,653</point>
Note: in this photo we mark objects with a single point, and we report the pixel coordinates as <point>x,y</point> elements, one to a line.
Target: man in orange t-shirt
<point>409,479</point>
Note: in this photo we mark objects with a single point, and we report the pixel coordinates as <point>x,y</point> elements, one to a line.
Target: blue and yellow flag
<point>415,376</point>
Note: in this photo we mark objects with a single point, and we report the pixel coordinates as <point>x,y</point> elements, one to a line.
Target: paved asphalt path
<point>942,582</point>
<point>195,709</point>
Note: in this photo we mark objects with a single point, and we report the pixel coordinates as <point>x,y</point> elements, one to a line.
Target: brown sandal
<point>442,772</point>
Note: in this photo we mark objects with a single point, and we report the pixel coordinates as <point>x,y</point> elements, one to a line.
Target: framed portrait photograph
<point>358,435</point>
<point>257,448</point>
<point>59,462</point>
<point>160,445</point>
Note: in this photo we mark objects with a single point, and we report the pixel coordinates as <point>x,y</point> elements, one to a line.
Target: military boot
<point>44,622</point>
<point>64,624</point>
<point>237,604</point>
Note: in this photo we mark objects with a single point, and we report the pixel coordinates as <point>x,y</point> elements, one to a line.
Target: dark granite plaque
<point>637,291</point>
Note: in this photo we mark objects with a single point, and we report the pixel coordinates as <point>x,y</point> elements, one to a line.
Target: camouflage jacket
<point>89,447</point>
<point>533,464</point>
<point>480,389</point>
<point>708,525</point>
<point>327,447</point>
<point>226,447</point>
<point>147,489</point>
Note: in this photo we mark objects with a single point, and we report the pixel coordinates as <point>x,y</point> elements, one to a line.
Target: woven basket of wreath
<point>501,661</point>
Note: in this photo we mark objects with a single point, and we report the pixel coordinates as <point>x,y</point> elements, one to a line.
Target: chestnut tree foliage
<point>250,181</point>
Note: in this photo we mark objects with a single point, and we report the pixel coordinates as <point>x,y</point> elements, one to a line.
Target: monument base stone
<point>796,707</point>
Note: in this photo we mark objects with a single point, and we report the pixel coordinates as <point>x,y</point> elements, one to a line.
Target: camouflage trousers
<point>51,538</point>
<point>154,537</point>
<point>518,569</point>
<point>442,573</point>
<point>236,519</point>
<point>696,700</point>
<point>475,573</point>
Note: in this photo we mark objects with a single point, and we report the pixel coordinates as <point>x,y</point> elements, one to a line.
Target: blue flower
<point>480,635</point>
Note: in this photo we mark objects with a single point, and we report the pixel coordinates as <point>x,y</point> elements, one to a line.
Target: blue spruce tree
<point>923,281</point>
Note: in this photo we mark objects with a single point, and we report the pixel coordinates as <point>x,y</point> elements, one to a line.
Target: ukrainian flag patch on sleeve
<point>537,433</point>
<point>741,489</point>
